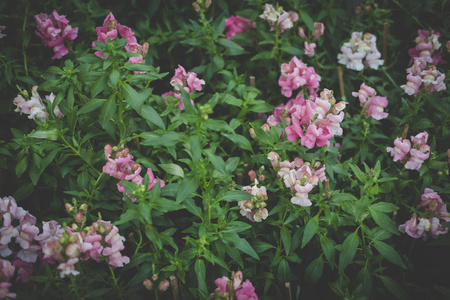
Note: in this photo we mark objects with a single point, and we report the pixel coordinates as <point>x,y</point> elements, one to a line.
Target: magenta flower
<point>188,81</point>
<point>54,30</point>
<point>296,74</point>
<point>236,24</point>
<point>247,292</point>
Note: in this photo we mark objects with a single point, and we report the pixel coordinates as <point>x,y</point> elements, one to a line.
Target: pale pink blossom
<point>375,108</point>
<point>163,285</point>
<point>413,85</point>
<point>319,29</point>
<point>418,156</point>
<point>401,149</point>
<point>68,268</point>
<point>411,228</point>
<point>309,48</point>
<point>4,290</point>
<point>2,35</point>
<point>274,159</point>
<point>361,46</point>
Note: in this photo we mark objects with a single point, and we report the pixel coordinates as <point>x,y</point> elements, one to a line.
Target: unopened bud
<point>147,284</point>
<point>83,208</point>
<point>79,218</point>
<point>252,133</point>
<point>75,227</point>
<point>154,277</point>
<point>208,3</point>
<point>261,177</point>
<point>196,6</point>
<point>266,128</point>
<point>68,207</point>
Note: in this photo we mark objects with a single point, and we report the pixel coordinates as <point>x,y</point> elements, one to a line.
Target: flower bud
<point>79,218</point>
<point>252,133</point>
<point>154,277</point>
<point>147,284</point>
<point>261,177</point>
<point>196,6</point>
<point>68,207</point>
<point>266,128</point>
<point>163,285</point>
<point>83,208</point>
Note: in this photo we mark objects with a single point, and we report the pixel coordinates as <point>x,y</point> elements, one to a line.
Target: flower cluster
<point>34,107</point>
<point>254,208</point>
<point>432,79</point>
<point>427,47</point>
<point>310,46</point>
<point>6,273</point>
<point>296,74</point>
<point>372,104</point>
<point>2,35</point>
<point>24,234</point>
<point>123,167</point>
<point>111,29</point>
<point>300,177</point>
<point>53,31</point>
<point>279,18</point>
<point>434,217</point>
<point>314,122</point>
<point>234,288</point>
<point>361,46</point>
<point>184,80</point>
<point>418,153</point>
<point>236,24</point>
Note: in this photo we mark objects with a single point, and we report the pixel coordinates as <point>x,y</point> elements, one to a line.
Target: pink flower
<point>153,180</point>
<point>24,269</point>
<point>400,150</point>
<point>319,29</point>
<point>287,20</point>
<point>2,35</point>
<point>236,24</point>
<point>163,285</point>
<point>359,47</point>
<point>309,48</point>
<point>4,290</point>
<point>68,268</point>
<point>410,227</point>
<point>375,107</point>
<point>270,14</point>
<point>54,30</point>
<point>278,17</point>
<point>274,159</point>
<point>413,84</point>
<point>420,139</point>
<point>433,80</point>
<point>418,156</point>
<point>247,292</point>
<point>431,201</point>
<point>6,270</point>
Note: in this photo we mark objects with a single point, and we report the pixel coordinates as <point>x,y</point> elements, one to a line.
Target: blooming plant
<point>221,150</point>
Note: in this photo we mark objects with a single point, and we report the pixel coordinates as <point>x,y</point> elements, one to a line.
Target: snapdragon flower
<point>2,35</point>
<point>278,17</point>
<point>361,46</point>
<point>373,105</point>
<point>35,107</point>
<point>254,208</point>
<point>235,288</point>
<point>54,30</point>
<point>237,24</point>
<point>414,155</point>
<point>296,74</point>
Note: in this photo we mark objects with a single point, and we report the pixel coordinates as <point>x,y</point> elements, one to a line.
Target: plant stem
<point>113,276</point>
<point>25,18</point>
<point>68,145</point>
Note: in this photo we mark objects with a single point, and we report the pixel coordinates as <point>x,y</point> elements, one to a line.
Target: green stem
<point>409,14</point>
<point>68,145</point>
<point>139,244</point>
<point>25,18</point>
<point>94,189</point>
<point>207,29</point>
<point>113,276</point>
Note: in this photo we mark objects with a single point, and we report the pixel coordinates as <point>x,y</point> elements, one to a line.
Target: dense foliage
<point>224,149</point>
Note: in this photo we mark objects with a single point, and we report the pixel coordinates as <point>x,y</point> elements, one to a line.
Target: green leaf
<point>50,134</point>
<point>359,174</point>
<point>310,230</point>
<point>192,208</point>
<point>237,195</point>
<point>196,149</point>
<point>328,250</point>
<point>188,186</point>
<point>389,253</point>
<point>132,97</point>
<point>348,250</point>
<point>200,272</point>
<point>217,162</point>
<point>165,205</point>
<point>99,86</point>
<point>127,216</point>
<point>21,166</point>
<point>108,111</point>
<point>314,270</point>
<point>393,287</point>
<point>239,140</point>
<point>241,244</point>
<point>383,221</point>
<point>384,207</point>
<point>173,169</point>
<point>91,106</point>
<point>148,113</point>
<point>307,19</point>
<point>284,273</point>
<point>114,76</point>
<point>286,239</point>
